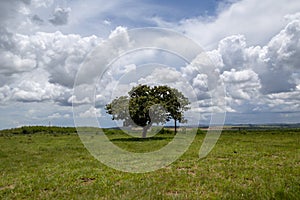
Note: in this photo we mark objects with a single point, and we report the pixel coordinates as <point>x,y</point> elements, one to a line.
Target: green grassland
<point>256,164</point>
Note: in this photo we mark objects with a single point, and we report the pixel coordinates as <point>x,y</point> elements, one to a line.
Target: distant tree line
<point>39,129</point>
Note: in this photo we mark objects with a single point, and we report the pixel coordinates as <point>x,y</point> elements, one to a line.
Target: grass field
<point>252,165</point>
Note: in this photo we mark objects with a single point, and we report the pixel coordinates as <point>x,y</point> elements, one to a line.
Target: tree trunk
<point>145,129</point>
<point>175,126</point>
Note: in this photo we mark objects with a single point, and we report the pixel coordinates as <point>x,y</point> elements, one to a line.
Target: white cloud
<point>241,84</point>
<point>279,60</point>
<point>232,52</point>
<point>4,93</point>
<point>283,102</point>
<point>73,100</point>
<point>37,20</point>
<point>57,53</point>
<point>34,86</point>
<point>256,77</point>
<point>255,46</point>
<point>257,20</point>
<point>59,116</point>
<point>161,76</point>
<point>107,22</point>
<point>200,84</point>
<point>60,16</point>
<point>42,66</point>
<point>11,63</point>
<point>285,46</point>
<point>90,113</point>
<point>41,3</point>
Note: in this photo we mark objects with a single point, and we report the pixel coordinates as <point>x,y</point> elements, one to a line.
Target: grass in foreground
<point>253,165</point>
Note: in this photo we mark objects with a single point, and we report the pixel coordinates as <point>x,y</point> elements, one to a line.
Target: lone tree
<point>145,106</point>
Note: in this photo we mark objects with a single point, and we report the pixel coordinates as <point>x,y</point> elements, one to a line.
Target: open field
<point>243,165</point>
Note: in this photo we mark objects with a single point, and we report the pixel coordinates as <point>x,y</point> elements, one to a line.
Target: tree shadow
<point>133,139</point>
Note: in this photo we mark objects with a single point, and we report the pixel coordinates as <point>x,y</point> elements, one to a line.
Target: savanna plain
<point>52,163</point>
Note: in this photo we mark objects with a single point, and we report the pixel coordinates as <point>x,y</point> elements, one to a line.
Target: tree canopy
<point>145,106</point>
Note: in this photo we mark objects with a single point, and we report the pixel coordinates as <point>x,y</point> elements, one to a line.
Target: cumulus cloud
<point>60,16</point>
<point>250,73</point>
<point>279,60</point>
<point>107,22</point>
<point>82,97</point>
<point>286,46</point>
<point>62,54</point>
<point>37,20</point>
<point>42,67</point>
<point>200,85</point>
<point>241,85</point>
<point>10,13</point>
<point>57,53</point>
<point>41,3</point>
<point>256,51</point>
<point>34,87</point>
<point>90,113</point>
<point>58,116</point>
<point>257,74</point>
<point>5,93</point>
<point>11,63</point>
<point>232,51</point>
<point>161,76</point>
<point>257,23</point>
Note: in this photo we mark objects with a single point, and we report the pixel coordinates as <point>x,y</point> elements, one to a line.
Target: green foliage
<point>199,131</point>
<point>146,106</point>
<point>109,131</point>
<point>39,129</point>
<point>165,131</point>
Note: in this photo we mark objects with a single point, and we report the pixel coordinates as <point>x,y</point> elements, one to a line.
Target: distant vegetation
<point>39,129</point>
<point>25,130</point>
<point>242,129</point>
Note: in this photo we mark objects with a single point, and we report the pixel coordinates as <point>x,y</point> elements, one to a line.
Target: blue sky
<point>185,9</point>
<point>254,45</point>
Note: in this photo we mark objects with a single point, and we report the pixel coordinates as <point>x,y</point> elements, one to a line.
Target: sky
<point>253,45</point>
